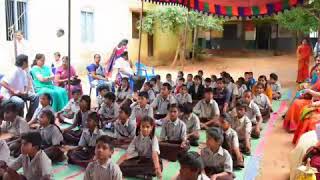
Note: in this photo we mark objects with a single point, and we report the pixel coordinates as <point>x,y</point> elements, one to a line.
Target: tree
<point>304,19</point>
<point>180,21</point>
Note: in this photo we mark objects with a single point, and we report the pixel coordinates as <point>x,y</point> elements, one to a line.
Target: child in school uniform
<point>192,124</point>
<point>51,136</point>
<point>213,80</point>
<point>207,110</point>
<point>275,86</point>
<point>263,102</point>
<point>109,110</point>
<point>179,75</point>
<point>221,95</point>
<point>147,87</point>
<point>124,92</point>
<point>72,136</point>
<point>45,104</point>
<point>250,81</point>
<point>173,137</point>
<point>141,108</point>
<point>155,88</point>
<point>183,97</point>
<point>84,153</point>
<point>231,141</point>
<point>232,88</point>
<point>142,156</point>
<point>103,167</point>
<point>158,84</point>
<point>191,166</point>
<point>4,151</point>
<point>33,161</point>
<point>243,126</point>
<point>197,89</point>
<point>217,161</point>
<point>189,82</point>
<point>208,83</point>
<point>70,110</point>
<point>179,85</point>
<point>102,91</point>
<point>160,104</point>
<point>169,80</point>
<point>242,87</point>
<point>14,125</point>
<point>200,73</point>
<point>124,128</point>
<point>253,113</point>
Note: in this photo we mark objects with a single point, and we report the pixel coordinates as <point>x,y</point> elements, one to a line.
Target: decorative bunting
<point>213,7</point>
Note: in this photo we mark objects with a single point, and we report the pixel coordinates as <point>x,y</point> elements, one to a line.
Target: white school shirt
<point>16,78</point>
<point>124,66</point>
<point>4,151</point>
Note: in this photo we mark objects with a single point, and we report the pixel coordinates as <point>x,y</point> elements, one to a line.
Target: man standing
<point>17,87</point>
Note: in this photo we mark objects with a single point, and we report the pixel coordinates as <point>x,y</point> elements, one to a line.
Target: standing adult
<point>21,44</point>
<point>17,86</point>
<point>116,53</point>
<point>303,54</point>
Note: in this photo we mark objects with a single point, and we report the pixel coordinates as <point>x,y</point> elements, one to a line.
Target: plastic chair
<point>90,80</point>
<point>143,71</point>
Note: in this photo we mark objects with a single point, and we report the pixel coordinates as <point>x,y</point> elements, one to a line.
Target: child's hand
<point>159,173</point>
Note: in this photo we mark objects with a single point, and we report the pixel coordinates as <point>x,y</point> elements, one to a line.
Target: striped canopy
<point>240,8</point>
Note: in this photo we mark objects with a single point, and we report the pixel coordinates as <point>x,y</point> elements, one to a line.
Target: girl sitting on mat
<point>173,135</point>
<point>124,92</point>
<point>72,136</point>
<point>263,102</point>
<point>51,136</point>
<point>45,104</point>
<point>84,153</point>
<point>109,110</point>
<point>142,156</point>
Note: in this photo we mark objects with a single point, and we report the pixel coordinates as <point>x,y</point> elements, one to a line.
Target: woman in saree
<point>309,116</point>
<point>116,53</point>
<point>62,75</point>
<point>303,53</point>
<point>301,100</point>
<point>43,83</point>
<point>315,71</point>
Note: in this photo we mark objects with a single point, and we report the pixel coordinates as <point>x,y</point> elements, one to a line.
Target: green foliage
<point>175,18</point>
<point>298,19</point>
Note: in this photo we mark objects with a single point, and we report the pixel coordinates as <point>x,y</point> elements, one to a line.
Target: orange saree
<point>292,117</point>
<point>303,53</point>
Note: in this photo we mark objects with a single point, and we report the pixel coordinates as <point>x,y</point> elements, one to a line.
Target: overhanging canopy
<point>239,8</point>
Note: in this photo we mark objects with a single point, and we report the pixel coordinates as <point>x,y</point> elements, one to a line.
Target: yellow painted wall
<point>164,43</point>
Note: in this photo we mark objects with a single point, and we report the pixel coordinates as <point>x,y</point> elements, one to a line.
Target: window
<point>87,27</point>
<point>230,31</point>
<point>135,20</point>
<point>16,18</point>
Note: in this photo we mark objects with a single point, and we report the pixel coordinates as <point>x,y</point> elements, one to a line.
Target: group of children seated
<point>230,112</point>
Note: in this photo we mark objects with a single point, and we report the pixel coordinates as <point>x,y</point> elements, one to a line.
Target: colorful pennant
<point>212,7</point>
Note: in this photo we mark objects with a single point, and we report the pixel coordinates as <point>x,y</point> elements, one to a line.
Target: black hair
<point>124,54</point>
<point>102,87</point>
<point>48,96</point>
<point>95,117</point>
<point>123,42</point>
<point>94,56</point>
<point>247,91</point>
<point>38,56</point>
<point>264,77</point>
<point>168,75</point>
<point>21,59</point>
<point>197,77</point>
<point>226,117</point>
<point>158,77</point>
<point>147,119</point>
<point>126,110</point>
<point>274,76</point>
<point>167,85</point>
<point>51,117</point>
<point>214,77</point>
<point>190,75</point>
<point>87,99</point>
<point>105,140</point>
<point>246,73</point>
<point>241,105</point>
<point>208,80</point>
<point>57,54</point>
<point>187,108</point>
<point>260,84</point>
<point>125,79</point>
<point>191,159</point>
<point>241,81</point>
<point>153,79</point>
<point>184,85</point>
<point>221,79</point>
<point>10,107</point>
<point>111,96</point>
<point>208,90</point>
<point>182,79</point>
<point>34,138</point>
<point>148,84</point>
<point>200,71</point>
<point>181,72</point>
<point>215,133</point>
<point>75,91</point>
<point>144,94</point>
<point>174,105</point>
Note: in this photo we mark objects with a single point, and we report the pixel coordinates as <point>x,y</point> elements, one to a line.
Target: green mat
<point>171,169</point>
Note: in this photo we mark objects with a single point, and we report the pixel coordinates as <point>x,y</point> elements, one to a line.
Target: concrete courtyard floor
<point>275,163</point>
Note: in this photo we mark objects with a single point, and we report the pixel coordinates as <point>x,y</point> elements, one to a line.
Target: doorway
<point>263,36</point>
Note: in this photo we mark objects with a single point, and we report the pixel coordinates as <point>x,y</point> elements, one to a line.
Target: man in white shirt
<point>17,87</point>
<point>123,66</point>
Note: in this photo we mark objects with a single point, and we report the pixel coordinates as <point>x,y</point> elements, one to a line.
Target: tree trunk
<point>195,37</point>
<point>177,54</point>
